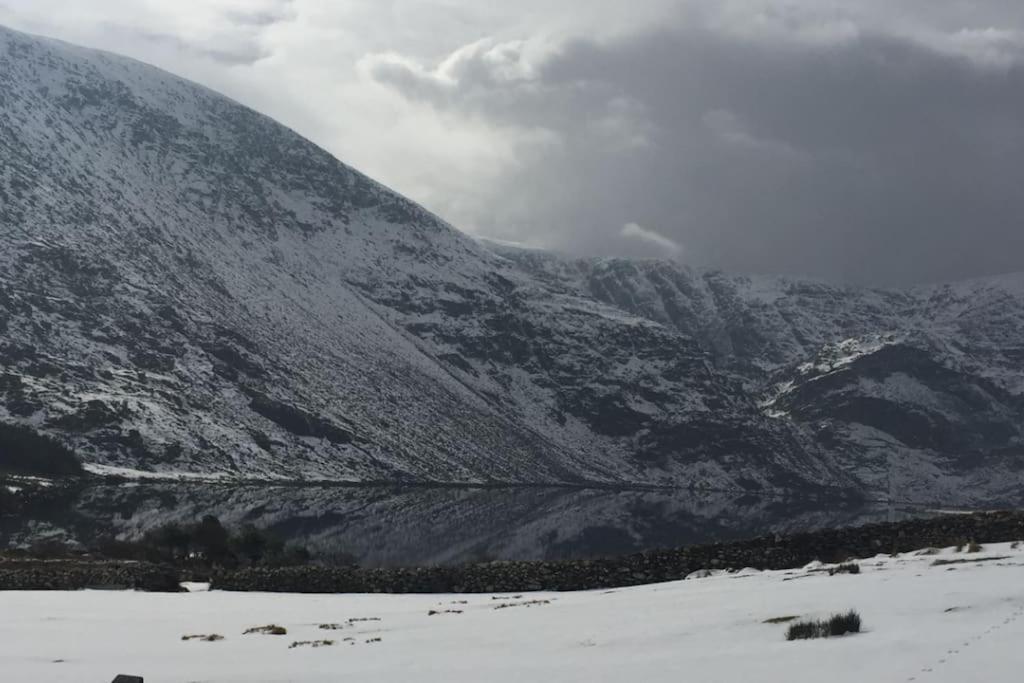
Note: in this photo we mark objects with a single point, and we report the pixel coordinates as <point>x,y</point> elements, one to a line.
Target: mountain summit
<point>189,288</point>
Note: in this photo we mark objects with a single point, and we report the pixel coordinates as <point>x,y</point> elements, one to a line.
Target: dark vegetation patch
<point>836,625</point>
<point>528,603</point>
<point>268,630</point>
<point>34,498</point>
<point>780,620</point>
<point>205,547</point>
<point>206,638</point>
<point>26,452</point>
<point>311,643</point>
<point>974,560</point>
<point>845,568</point>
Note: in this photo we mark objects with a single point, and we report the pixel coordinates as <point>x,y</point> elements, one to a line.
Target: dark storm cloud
<point>834,151</point>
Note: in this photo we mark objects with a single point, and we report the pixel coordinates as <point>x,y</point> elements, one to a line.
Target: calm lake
<point>387,526</point>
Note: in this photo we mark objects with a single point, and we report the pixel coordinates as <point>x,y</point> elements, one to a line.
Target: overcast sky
<point>868,141</point>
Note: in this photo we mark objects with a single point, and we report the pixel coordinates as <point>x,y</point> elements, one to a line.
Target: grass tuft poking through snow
<point>836,625</point>
<point>268,630</point>
<point>204,637</point>
<point>970,546</point>
<point>311,643</point>
<point>781,620</point>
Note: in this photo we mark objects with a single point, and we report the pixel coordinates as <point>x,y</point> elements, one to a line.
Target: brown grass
<point>268,630</point>
<point>311,643</point>
<point>780,620</point>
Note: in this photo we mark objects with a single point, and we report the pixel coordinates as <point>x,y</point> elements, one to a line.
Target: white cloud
<point>667,247</point>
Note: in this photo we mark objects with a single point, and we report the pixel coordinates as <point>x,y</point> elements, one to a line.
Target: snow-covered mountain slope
<point>920,622</point>
<point>187,286</point>
<point>919,394</point>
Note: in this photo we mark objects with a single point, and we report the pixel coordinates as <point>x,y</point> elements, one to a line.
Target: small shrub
<point>841,624</point>
<point>848,568</point>
<point>804,630</point>
<point>206,638</point>
<point>311,643</point>
<point>528,603</point>
<point>836,625</point>
<point>268,630</point>
<point>973,546</point>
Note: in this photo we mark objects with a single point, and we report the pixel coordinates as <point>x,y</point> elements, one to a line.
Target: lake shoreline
<point>942,616</point>
<point>772,552</point>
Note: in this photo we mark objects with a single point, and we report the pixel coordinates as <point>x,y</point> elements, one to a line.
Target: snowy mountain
<point>187,287</point>
<point>918,394</point>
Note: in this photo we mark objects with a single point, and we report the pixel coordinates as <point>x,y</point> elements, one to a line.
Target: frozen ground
<point>954,622</point>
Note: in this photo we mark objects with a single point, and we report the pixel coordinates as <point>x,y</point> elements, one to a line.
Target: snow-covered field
<point>954,622</point>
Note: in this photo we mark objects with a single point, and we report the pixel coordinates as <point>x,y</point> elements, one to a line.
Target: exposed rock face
<point>189,287</point>
<point>919,394</point>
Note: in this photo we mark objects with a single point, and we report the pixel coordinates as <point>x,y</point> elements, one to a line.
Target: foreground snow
<point>955,622</point>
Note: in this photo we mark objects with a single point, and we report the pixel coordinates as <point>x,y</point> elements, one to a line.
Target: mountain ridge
<point>191,288</point>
